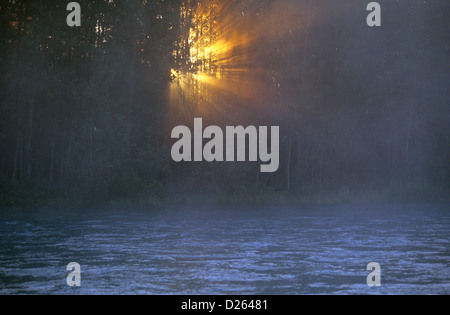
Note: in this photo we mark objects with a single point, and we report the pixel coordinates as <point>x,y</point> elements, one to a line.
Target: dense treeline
<point>86,112</point>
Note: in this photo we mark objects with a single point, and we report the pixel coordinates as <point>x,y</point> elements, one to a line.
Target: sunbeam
<point>225,61</point>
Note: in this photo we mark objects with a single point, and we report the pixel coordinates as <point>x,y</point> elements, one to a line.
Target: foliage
<point>86,112</point>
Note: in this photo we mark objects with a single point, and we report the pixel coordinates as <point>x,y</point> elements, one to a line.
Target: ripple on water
<point>228,252</point>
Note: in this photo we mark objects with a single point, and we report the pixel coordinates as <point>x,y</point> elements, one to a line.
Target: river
<point>227,250</point>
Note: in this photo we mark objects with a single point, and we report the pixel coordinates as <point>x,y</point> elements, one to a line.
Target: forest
<point>86,113</point>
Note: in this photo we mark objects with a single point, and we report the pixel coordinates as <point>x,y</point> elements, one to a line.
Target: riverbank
<point>40,195</point>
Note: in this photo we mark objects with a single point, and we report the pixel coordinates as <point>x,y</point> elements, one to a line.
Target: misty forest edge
<point>86,112</point>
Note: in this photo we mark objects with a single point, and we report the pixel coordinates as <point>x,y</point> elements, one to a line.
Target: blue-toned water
<point>227,250</point>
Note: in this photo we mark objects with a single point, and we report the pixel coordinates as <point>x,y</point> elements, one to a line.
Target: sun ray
<point>224,58</point>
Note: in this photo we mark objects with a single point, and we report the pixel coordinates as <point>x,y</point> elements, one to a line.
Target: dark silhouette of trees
<point>86,112</point>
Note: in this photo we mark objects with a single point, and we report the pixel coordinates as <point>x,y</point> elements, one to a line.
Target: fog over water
<point>356,118</point>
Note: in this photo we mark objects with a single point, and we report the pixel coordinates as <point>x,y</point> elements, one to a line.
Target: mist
<point>87,112</point>
<point>253,147</point>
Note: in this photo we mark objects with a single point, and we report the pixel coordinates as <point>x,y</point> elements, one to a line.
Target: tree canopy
<point>86,112</point>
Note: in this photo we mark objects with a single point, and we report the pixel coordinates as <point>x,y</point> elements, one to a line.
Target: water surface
<point>227,250</point>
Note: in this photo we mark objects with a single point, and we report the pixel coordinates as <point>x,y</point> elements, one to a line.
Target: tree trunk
<point>29,159</point>
<point>69,149</point>
<point>130,102</point>
<point>288,163</point>
<point>91,140</point>
<point>16,153</point>
<point>21,159</point>
<point>258,170</point>
<point>61,165</point>
<point>18,129</point>
<point>52,154</point>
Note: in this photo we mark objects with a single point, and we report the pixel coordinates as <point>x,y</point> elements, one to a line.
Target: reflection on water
<point>267,250</point>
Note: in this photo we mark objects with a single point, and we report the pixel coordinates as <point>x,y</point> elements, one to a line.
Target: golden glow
<point>223,64</point>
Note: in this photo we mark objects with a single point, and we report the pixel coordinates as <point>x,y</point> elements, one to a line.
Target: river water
<point>227,250</point>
